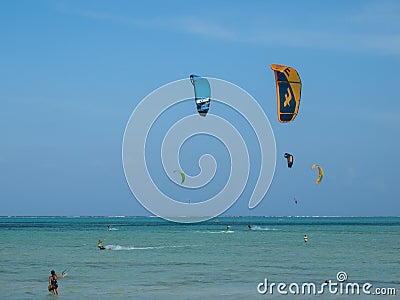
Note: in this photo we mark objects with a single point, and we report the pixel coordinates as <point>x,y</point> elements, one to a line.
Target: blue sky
<point>72,72</point>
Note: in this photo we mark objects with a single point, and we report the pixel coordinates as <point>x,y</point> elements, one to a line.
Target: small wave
<point>112,229</point>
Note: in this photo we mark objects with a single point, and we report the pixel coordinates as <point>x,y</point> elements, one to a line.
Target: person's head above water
<point>53,272</point>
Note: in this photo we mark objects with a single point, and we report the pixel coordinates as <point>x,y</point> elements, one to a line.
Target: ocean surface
<point>149,258</point>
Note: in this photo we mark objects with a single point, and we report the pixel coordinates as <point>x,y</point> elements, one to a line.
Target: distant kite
<point>289,158</point>
<point>182,175</point>
<point>288,92</point>
<point>320,173</point>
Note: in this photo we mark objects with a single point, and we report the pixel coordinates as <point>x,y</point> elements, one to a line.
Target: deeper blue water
<point>149,258</point>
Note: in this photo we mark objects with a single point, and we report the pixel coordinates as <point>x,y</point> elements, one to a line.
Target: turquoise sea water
<point>149,258</point>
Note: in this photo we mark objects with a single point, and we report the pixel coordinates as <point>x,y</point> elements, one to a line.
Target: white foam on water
<point>119,248</point>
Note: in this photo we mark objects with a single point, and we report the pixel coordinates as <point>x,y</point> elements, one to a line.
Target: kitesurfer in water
<point>53,284</point>
<point>249,227</point>
<point>100,245</point>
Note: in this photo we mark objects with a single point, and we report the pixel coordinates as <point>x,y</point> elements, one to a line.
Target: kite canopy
<point>289,158</point>
<point>288,92</point>
<point>182,175</point>
<point>320,173</point>
<point>202,93</point>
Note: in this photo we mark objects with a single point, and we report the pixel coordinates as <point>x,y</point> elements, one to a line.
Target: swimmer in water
<point>249,227</point>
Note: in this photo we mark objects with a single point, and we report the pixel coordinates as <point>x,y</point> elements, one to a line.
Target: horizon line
<point>229,216</point>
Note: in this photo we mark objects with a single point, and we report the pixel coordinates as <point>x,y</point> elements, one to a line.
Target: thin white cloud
<point>326,39</point>
<point>389,119</point>
<point>209,30</point>
<point>103,16</point>
<point>379,13</point>
<point>333,35</point>
<point>183,24</point>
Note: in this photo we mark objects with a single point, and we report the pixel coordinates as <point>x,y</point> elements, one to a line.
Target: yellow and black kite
<point>288,92</point>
